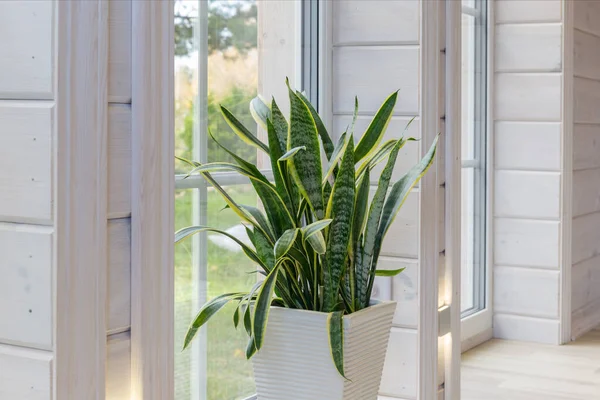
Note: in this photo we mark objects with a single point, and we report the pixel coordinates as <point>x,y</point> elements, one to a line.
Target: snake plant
<point>317,237</point>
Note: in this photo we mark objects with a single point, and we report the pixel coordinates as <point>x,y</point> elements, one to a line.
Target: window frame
<point>476,323</point>
<point>308,25</point>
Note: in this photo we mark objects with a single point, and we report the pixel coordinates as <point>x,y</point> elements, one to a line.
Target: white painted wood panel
<point>394,22</point>
<point>25,161</point>
<point>527,329</point>
<point>372,73</point>
<point>527,97</point>
<point>25,374</point>
<point>586,191</point>
<point>399,377</point>
<point>408,155</point>
<point>526,292</point>
<point>520,242</point>
<point>586,237</point>
<point>26,285</point>
<point>118,368</point>
<point>586,283</point>
<point>526,47</point>
<point>119,274</point>
<point>119,51</point>
<point>527,194</point>
<point>402,239</point>
<point>26,49</point>
<point>515,143</point>
<point>586,62</point>
<point>586,100</point>
<point>585,319</point>
<point>587,15</point>
<point>528,11</point>
<point>119,161</point>
<point>405,290</point>
<point>586,146</point>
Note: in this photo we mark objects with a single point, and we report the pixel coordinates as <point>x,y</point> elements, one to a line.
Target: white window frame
<point>476,325</point>
<point>306,36</point>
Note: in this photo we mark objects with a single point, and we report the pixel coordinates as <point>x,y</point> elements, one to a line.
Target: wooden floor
<point>505,370</point>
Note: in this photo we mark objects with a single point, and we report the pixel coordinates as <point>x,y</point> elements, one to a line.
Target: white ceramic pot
<point>294,362</point>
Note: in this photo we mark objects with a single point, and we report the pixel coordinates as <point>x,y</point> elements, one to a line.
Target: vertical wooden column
<point>153,181</point>
<point>80,202</point>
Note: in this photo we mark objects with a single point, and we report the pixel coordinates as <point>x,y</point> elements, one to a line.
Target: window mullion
<point>199,281</point>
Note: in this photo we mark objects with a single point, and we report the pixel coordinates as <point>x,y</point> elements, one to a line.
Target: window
<point>226,52</point>
<point>474,148</point>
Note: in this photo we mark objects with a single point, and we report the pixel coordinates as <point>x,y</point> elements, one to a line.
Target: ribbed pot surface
<point>294,362</point>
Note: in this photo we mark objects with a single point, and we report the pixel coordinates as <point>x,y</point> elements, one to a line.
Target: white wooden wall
<point>376,50</point>
<point>118,381</point>
<point>27,162</point>
<point>585,301</point>
<point>527,114</point>
<point>27,99</point>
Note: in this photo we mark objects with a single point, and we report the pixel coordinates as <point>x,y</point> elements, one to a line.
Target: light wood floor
<point>506,370</point>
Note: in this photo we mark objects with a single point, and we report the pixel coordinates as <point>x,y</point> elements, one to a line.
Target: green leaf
<point>360,218</point>
<point>315,227</point>
<point>232,204</point>
<point>285,243</point>
<point>291,153</point>
<point>250,348</point>
<point>306,165</point>
<point>263,307</point>
<point>361,205</point>
<point>275,207</point>
<point>242,132</point>
<point>312,233</point>
<point>375,158</point>
<point>280,124</point>
<point>335,328</point>
<point>371,138</point>
<point>325,138</point>
<point>396,199</point>
<point>280,173</point>
<point>388,272</point>
<point>399,193</point>
<point>341,210</point>
<point>206,312</point>
<point>191,230</point>
<point>337,154</point>
<point>260,111</point>
<point>317,242</point>
<point>260,218</point>
<point>264,249</point>
<point>363,271</point>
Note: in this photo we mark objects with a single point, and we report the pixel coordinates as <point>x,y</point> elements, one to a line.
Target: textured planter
<point>294,362</point>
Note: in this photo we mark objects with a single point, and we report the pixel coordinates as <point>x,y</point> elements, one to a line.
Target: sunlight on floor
<point>507,370</point>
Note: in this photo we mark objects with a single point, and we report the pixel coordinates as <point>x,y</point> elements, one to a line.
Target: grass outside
<point>229,374</point>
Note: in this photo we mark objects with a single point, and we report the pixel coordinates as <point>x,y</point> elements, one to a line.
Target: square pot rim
<point>376,305</point>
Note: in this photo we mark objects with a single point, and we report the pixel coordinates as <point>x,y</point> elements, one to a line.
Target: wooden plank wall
<point>527,180</point>
<point>119,202</point>
<point>376,50</point>
<point>585,302</point>
<point>27,100</point>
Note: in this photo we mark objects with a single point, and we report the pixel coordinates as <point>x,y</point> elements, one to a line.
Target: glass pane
<point>217,366</point>
<point>468,87</point>
<point>467,240</point>
<point>474,157</point>
<point>219,61</point>
<point>216,64</point>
